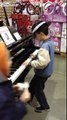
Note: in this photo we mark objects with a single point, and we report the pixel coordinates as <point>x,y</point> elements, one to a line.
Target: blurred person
<point>37,10</point>
<point>43,64</point>
<point>11,108</point>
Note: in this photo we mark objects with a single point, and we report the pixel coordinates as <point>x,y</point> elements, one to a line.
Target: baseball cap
<point>39,24</point>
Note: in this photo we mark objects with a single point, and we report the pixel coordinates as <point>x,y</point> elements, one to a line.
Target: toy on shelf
<point>57,43</point>
<point>56,29</point>
<point>24,7</point>
<point>56,13</point>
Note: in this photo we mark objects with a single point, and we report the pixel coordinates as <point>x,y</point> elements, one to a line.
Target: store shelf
<point>63,54</point>
<point>57,52</point>
<point>9,9</point>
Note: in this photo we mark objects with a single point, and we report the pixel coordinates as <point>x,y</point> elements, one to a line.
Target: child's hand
<point>16,88</point>
<point>20,86</point>
<point>25,63</point>
<point>25,96</point>
<point>32,56</point>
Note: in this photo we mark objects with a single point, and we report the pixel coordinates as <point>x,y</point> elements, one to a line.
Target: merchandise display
<point>33,35</point>
<point>56,29</point>
<point>57,43</point>
<point>24,7</point>
<point>24,15</point>
<point>22,23</point>
<point>63,39</point>
<point>56,13</point>
<point>25,12</point>
<point>63,45</point>
<point>33,53</point>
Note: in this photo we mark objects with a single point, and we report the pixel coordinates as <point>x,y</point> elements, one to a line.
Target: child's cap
<point>39,24</point>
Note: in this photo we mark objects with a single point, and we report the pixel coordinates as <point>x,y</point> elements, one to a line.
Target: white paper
<point>6,35</point>
<point>17,36</point>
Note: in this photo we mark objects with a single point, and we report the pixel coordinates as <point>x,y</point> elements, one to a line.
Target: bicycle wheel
<point>30,9</point>
<point>17,8</point>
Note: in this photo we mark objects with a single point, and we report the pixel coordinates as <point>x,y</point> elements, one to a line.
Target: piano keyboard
<point>18,72</point>
<point>17,53</point>
<point>18,60</point>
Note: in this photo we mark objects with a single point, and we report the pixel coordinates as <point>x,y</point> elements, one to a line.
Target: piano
<point>20,51</point>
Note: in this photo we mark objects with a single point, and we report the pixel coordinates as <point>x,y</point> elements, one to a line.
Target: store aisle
<point>55,91</point>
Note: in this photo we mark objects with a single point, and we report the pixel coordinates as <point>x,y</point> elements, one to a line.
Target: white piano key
<point>19,51</point>
<point>35,52</point>
<point>17,73</point>
<point>28,61</point>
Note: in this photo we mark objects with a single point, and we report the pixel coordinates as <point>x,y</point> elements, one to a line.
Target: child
<point>10,108</point>
<point>43,64</point>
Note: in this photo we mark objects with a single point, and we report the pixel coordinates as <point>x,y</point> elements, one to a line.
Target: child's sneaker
<point>41,109</point>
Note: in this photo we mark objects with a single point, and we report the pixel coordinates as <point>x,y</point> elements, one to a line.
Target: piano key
<point>17,73</point>
<point>20,51</point>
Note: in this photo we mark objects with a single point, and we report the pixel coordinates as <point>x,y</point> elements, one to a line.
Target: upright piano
<point>20,51</point>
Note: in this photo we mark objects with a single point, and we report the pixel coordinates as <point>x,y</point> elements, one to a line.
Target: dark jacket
<point>10,108</point>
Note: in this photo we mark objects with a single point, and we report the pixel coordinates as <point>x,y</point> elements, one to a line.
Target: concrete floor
<point>56,94</point>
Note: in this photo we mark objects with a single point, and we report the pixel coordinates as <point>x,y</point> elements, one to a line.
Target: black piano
<point>20,51</point>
